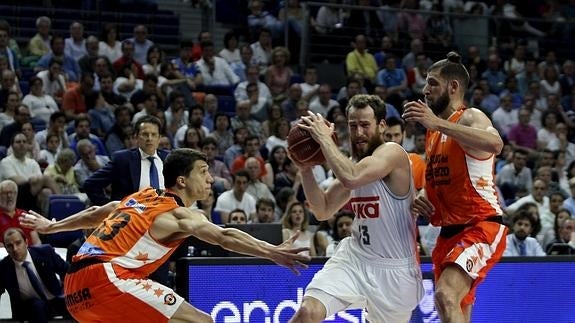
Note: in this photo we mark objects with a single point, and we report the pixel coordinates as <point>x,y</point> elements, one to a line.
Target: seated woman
<point>296,219</point>
<point>274,165</point>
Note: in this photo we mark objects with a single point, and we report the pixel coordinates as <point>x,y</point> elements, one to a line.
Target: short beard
<point>439,105</point>
<point>372,145</point>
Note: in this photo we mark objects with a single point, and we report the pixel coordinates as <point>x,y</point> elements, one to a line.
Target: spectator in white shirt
<point>310,87</point>
<point>252,76</point>
<point>236,198</point>
<point>262,50</point>
<point>215,70</point>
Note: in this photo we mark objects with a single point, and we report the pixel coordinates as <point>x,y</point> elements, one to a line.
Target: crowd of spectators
<point>88,91</point>
<point>88,95</point>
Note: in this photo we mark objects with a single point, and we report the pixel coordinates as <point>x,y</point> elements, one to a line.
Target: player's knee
<point>306,314</point>
<point>445,300</point>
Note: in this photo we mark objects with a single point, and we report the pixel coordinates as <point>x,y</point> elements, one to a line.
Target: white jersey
<point>383,226</point>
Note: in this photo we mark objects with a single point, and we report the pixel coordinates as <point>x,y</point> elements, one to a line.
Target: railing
<point>468,29</point>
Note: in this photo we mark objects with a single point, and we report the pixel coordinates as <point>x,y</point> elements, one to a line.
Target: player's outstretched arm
<point>196,224</point>
<point>88,218</point>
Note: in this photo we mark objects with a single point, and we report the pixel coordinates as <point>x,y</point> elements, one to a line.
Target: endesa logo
<point>365,207</point>
<point>229,312</point>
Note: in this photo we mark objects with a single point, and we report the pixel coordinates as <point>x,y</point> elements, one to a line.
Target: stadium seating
<point>60,207</point>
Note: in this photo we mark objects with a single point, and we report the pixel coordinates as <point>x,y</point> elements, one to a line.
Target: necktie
<point>34,280</point>
<point>154,180</point>
<point>522,250</point>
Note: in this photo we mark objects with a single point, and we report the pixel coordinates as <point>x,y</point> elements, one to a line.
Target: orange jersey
<point>417,170</point>
<point>124,238</point>
<point>460,186</point>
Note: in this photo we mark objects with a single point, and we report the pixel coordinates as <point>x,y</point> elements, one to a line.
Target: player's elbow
<point>497,146</point>
<point>350,182</point>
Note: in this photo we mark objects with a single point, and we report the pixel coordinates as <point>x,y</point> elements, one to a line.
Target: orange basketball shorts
<point>476,250</point>
<point>107,293</point>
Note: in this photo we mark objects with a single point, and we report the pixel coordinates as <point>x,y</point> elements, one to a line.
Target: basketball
<point>303,148</point>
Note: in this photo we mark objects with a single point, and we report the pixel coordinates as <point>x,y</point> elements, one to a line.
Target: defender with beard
<point>459,193</point>
<point>377,266</point>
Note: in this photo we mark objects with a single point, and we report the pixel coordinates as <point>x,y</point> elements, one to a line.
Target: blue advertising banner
<point>246,290</point>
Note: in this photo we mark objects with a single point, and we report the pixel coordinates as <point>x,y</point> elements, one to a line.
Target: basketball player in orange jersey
<point>107,281</point>
<point>459,193</point>
<point>377,266</point>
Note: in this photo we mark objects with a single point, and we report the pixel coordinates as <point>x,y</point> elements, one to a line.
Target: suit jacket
<point>48,264</point>
<point>122,172</point>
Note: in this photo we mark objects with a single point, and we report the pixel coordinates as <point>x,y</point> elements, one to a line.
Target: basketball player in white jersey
<point>377,267</point>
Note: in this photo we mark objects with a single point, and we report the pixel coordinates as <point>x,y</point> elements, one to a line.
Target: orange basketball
<point>303,148</point>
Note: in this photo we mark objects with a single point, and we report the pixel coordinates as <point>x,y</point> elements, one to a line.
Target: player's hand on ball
<point>317,126</point>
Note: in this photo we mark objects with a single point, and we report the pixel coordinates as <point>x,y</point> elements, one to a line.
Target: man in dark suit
<point>130,170</point>
<point>30,275</point>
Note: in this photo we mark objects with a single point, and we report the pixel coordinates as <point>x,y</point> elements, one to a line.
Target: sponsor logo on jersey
<point>139,207</point>
<point>365,207</point>
<point>169,299</point>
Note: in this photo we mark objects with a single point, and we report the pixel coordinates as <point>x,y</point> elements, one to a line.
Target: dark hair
<point>265,202</point>
<point>451,68</point>
<point>175,95</point>
<point>537,224</point>
<point>394,121</point>
<point>126,43</point>
<point>238,210</point>
<point>361,101</point>
<point>556,225</point>
<point>14,137</point>
<point>5,26</point>
<point>54,38</point>
<point>151,49</point>
<point>524,215</point>
<point>241,173</point>
<point>180,162</point>
<point>146,119</point>
<point>276,168</point>
<point>229,36</point>
<point>52,134</point>
<point>80,119</point>
<point>338,216</point>
<point>200,134</point>
<point>221,114</point>
<point>56,115</point>
<point>120,109</point>
<point>265,30</point>
<point>203,31</point>
<point>107,29</point>
<point>253,137</point>
<point>209,141</point>
<point>33,79</point>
